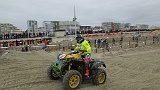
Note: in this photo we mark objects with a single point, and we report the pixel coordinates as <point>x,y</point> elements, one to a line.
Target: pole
<point>27,29</point>
<point>28,33</point>
<point>33,30</point>
<point>74,19</point>
<point>75,28</point>
<point>0,29</point>
<point>69,27</point>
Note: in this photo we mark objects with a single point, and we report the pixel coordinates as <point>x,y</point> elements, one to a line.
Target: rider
<point>83,44</point>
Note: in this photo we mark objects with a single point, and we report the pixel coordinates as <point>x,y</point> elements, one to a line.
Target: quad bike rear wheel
<point>99,77</point>
<point>72,80</point>
<point>52,74</point>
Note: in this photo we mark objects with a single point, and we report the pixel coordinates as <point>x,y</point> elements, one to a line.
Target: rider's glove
<point>84,51</point>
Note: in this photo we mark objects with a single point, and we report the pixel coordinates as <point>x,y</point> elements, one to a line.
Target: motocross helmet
<point>79,38</point>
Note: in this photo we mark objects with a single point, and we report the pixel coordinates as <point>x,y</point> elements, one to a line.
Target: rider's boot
<point>86,61</point>
<point>86,72</point>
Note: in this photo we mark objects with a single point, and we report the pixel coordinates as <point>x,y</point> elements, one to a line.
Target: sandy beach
<point>129,69</point>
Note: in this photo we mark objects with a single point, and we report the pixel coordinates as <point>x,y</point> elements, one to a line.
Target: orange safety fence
<point>106,34</point>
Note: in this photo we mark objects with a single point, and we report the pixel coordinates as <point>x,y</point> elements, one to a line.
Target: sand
<point>129,69</point>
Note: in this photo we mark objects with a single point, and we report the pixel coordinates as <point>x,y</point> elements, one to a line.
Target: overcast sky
<point>88,12</point>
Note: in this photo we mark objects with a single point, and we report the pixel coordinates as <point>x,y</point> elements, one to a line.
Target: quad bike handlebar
<point>83,51</point>
<point>79,51</point>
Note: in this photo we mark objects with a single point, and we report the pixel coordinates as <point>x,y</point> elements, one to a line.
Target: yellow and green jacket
<point>84,46</point>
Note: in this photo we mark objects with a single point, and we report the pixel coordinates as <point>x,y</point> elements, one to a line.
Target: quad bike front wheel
<point>99,77</point>
<point>72,80</point>
<point>52,74</point>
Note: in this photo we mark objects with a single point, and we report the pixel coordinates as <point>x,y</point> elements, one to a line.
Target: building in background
<point>133,28</point>
<point>85,29</point>
<point>98,29</point>
<point>60,33</point>
<point>125,26</point>
<point>142,26</point>
<point>114,27</point>
<point>41,29</point>
<point>68,26</point>
<point>50,26</point>
<point>42,32</point>
<point>155,27</point>
<point>72,29</point>
<point>107,26</point>
<point>8,28</point>
<point>32,28</point>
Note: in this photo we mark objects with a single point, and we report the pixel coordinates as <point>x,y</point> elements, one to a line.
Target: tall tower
<point>74,20</point>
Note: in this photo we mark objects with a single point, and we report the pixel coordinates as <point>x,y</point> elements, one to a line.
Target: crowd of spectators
<point>85,32</point>
<point>21,42</point>
<point>102,43</point>
<point>21,35</point>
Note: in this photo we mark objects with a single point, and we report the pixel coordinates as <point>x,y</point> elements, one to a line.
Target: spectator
<point>11,43</point>
<point>32,41</point>
<point>133,38</point>
<point>1,37</point>
<point>137,38</point>
<point>154,39</point>
<point>6,44</point>
<point>3,44</point>
<point>107,45</point>
<point>95,43</point>
<point>113,41</point>
<point>120,41</point>
<point>98,42</point>
<point>16,43</point>
<point>102,43</point>
<point>157,39</point>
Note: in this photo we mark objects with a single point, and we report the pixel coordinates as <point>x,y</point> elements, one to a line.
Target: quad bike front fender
<point>98,64</point>
<point>57,70</point>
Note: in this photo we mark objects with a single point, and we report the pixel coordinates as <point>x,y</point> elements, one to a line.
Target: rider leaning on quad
<point>83,44</point>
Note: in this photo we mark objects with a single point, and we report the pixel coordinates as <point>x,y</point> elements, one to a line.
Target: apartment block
<point>8,28</point>
<point>142,26</point>
<point>113,26</point>
<point>85,28</point>
<point>32,27</point>
<point>107,26</point>
<point>68,26</point>
<point>125,26</point>
<point>116,26</point>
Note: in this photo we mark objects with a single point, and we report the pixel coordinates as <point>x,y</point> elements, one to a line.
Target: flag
<point>45,41</point>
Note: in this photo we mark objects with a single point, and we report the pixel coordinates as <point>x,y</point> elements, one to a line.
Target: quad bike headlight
<point>61,56</point>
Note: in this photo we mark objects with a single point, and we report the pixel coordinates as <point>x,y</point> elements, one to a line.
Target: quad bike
<point>71,68</point>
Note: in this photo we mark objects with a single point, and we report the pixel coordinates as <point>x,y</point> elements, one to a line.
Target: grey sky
<point>88,12</point>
